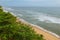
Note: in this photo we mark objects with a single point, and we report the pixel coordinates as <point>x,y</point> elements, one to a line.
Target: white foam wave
<point>49,19</point>
<point>44,17</point>
<point>19,15</point>
<point>10,9</point>
<point>5,8</point>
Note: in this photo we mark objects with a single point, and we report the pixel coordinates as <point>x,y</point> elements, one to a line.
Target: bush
<point>6,18</point>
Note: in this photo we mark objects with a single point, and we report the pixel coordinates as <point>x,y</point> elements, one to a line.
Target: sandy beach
<point>47,35</point>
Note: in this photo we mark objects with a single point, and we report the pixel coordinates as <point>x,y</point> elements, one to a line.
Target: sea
<point>45,17</point>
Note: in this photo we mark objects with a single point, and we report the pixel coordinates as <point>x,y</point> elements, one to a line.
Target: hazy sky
<point>43,3</point>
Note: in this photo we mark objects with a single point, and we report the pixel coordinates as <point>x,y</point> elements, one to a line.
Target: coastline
<point>39,29</point>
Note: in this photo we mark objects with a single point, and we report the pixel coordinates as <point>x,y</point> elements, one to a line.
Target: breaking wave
<point>6,9</point>
<point>49,19</point>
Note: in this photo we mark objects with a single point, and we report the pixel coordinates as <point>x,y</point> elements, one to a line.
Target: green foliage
<point>0,6</point>
<point>6,18</point>
<point>11,30</point>
<point>1,9</point>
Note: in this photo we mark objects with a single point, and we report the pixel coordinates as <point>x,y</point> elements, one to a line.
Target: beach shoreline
<point>53,35</point>
<point>39,29</point>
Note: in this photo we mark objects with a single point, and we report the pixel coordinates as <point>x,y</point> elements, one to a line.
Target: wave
<point>44,17</point>
<point>49,19</point>
<point>6,9</point>
<point>40,16</point>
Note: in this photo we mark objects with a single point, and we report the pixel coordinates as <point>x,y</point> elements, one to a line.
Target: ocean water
<point>46,17</point>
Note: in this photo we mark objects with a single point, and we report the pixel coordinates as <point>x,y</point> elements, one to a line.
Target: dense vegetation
<point>11,30</point>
